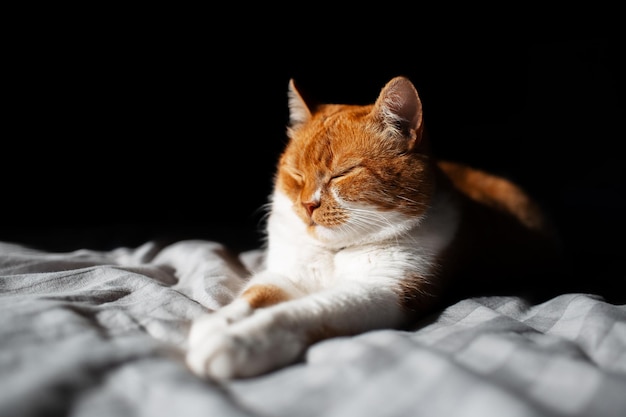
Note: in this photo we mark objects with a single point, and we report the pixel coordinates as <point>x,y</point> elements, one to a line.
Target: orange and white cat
<point>366,230</point>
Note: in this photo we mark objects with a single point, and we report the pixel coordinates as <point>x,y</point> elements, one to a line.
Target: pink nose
<point>310,206</point>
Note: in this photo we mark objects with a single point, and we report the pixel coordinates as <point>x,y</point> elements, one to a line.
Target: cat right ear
<point>299,111</point>
<point>399,107</point>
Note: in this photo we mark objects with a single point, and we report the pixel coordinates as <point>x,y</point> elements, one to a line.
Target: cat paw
<point>214,356</point>
<point>247,348</point>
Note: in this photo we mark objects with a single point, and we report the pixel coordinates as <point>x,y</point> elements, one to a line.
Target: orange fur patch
<point>259,296</point>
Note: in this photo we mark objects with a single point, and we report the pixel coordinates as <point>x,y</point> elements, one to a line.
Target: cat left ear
<point>299,112</point>
<point>400,109</point>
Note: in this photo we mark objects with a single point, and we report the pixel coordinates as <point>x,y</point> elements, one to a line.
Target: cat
<point>366,230</point>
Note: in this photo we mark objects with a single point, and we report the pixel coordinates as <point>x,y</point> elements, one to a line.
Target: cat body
<point>366,230</point>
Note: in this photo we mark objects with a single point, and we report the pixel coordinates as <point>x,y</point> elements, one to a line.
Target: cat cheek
<point>331,215</point>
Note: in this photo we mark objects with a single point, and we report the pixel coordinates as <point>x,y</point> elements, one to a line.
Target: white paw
<point>213,356</point>
<point>249,347</point>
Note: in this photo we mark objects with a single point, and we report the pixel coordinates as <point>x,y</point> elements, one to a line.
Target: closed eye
<point>343,173</point>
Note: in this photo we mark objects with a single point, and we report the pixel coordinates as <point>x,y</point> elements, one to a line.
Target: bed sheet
<point>103,333</point>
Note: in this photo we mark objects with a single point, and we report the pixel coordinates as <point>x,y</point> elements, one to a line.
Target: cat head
<point>356,173</point>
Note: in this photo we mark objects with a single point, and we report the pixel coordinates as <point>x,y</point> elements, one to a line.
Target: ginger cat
<point>367,230</point>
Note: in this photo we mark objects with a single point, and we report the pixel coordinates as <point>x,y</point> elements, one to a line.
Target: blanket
<point>103,333</point>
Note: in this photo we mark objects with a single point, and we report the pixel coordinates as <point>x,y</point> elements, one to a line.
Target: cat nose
<point>310,206</point>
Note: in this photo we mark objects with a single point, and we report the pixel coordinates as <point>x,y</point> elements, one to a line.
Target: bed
<point>102,333</point>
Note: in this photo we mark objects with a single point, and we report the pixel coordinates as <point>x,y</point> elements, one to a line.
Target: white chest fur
<point>294,253</point>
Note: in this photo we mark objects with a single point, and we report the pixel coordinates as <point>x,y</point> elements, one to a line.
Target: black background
<point>129,127</point>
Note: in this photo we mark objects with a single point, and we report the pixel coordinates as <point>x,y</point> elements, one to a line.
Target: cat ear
<point>299,111</point>
<point>400,109</point>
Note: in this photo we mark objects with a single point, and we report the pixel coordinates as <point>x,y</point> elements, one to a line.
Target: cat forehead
<point>336,114</point>
<point>334,126</point>
<point>330,141</point>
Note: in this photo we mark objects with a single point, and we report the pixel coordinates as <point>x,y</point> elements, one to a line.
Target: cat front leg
<point>211,337</point>
<point>276,335</point>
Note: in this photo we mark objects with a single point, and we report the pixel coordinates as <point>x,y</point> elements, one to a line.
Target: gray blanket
<point>90,333</point>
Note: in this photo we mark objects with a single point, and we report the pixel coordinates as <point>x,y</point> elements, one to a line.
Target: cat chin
<point>334,238</point>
